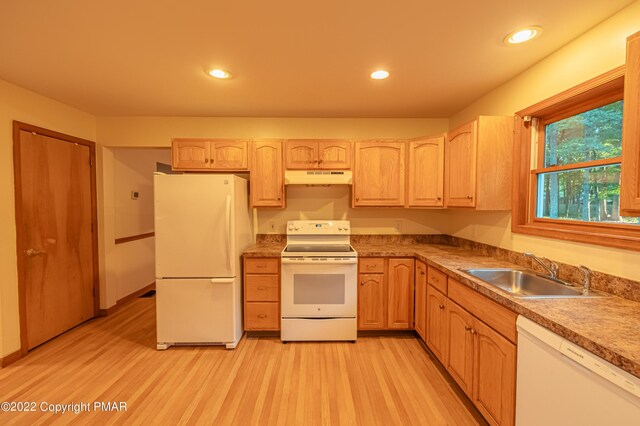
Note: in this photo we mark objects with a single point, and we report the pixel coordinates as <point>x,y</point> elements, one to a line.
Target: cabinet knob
<point>439,198</point>
<point>320,160</point>
<point>467,328</point>
<point>278,199</point>
<point>421,272</point>
<point>357,198</point>
<point>469,197</point>
<point>473,331</point>
<point>441,306</point>
<point>206,160</point>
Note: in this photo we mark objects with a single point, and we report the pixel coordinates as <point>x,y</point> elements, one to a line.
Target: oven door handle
<point>285,260</point>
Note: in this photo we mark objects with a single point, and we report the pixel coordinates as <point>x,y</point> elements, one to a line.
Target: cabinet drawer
<point>371,265</point>
<point>261,288</point>
<point>261,266</point>
<point>437,279</point>
<point>497,317</point>
<point>261,316</point>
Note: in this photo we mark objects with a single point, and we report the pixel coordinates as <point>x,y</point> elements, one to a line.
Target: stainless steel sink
<point>525,283</point>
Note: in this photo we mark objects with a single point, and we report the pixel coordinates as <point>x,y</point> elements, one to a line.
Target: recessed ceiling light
<point>522,35</point>
<point>218,73</point>
<point>380,74</point>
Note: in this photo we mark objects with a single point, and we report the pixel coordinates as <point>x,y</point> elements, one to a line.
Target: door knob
<point>32,252</point>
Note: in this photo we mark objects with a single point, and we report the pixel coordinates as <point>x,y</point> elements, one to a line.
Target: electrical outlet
<point>399,226</point>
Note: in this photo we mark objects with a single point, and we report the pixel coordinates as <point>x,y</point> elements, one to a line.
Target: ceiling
<point>289,58</point>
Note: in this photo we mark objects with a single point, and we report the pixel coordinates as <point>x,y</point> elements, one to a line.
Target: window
<point>567,166</point>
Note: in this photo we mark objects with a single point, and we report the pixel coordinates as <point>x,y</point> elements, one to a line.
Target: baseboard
<point>120,302</point>
<point>11,358</point>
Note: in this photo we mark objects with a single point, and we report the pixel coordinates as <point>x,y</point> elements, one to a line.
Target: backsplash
<point>622,287</point>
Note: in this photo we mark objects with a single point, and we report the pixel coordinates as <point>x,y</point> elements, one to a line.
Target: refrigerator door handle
<point>222,280</point>
<point>228,227</point>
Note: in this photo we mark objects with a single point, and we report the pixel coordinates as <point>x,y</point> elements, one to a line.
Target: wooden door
<point>57,249</point>
<point>379,174</point>
<point>421,298</point>
<point>400,290</point>
<point>372,302</point>
<point>334,155</point>
<point>426,172</point>
<point>301,154</point>
<point>188,154</point>
<point>494,377</point>
<point>228,155</point>
<point>460,170</point>
<point>460,343</point>
<point>630,178</point>
<point>266,182</point>
<point>436,323</point>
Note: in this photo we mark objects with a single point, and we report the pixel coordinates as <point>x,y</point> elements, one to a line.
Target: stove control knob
<point>290,227</point>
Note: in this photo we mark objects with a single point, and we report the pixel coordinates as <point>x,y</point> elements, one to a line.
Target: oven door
<point>319,288</point>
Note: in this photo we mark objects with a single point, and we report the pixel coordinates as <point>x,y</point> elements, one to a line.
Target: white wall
<point>597,51</point>
<point>22,105</point>
<point>334,202</point>
<point>131,265</point>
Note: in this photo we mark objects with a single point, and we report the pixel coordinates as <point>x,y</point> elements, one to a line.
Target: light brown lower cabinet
<point>385,293</point>
<point>261,294</point>
<point>482,362</point>
<point>436,323</point>
<point>421,299</point>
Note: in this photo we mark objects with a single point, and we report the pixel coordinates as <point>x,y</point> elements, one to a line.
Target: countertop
<point>608,327</point>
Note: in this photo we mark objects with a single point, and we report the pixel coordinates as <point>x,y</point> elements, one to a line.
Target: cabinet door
<point>421,298</point>
<point>460,157</point>
<point>460,356</point>
<point>371,302</point>
<point>190,154</point>
<point>301,154</point>
<point>266,181</point>
<point>494,377</point>
<point>334,154</point>
<point>436,326</point>
<point>400,285</point>
<point>426,173</point>
<point>630,179</point>
<point>379,174</point>
<point>228,155</point>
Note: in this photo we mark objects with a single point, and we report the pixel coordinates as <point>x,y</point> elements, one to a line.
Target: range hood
<point>317,177</point>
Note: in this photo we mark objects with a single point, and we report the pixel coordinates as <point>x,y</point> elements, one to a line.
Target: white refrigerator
<point>202,226</point>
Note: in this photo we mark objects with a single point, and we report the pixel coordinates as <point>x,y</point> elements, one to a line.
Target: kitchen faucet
<point>552,268</point>
<point>587,279</point>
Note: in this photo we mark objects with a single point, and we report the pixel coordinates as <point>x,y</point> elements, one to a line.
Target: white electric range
<point>319,282</point>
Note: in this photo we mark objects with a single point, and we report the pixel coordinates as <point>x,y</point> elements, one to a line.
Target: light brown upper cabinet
<point>630,179</point>
<point>426,172</point>
<point>209,154</point>
<point>266,181</point>
<point>478,164</point>
<point>379,173</point>
<point>306,154</point>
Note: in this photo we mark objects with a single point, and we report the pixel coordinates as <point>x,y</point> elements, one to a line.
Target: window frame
<point>591,94</point>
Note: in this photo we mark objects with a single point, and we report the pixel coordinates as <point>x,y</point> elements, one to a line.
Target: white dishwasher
<point>559,383</point>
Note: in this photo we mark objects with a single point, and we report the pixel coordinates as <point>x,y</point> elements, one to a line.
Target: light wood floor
<point>376,381</point>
